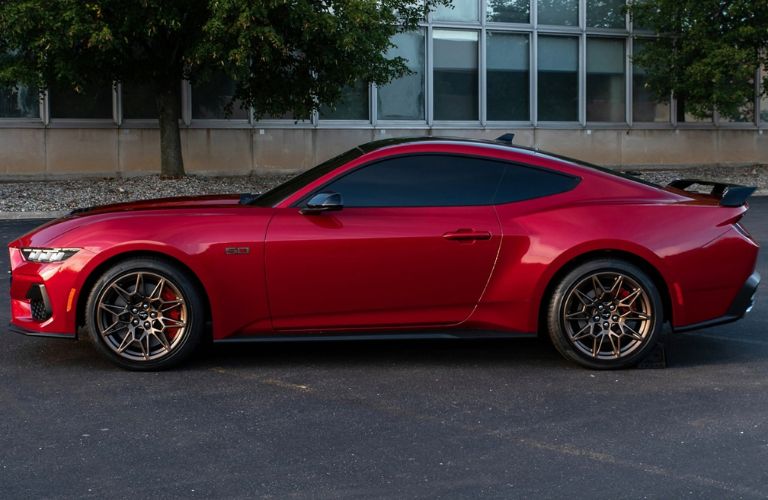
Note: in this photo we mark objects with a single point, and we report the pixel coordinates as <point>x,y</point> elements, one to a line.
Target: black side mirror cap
<point>323,202</point>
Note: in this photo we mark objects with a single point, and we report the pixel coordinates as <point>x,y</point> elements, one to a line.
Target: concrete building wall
<point>59,152</point>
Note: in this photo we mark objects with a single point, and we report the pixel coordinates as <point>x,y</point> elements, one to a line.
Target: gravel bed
<point>64,195</point>
<point>60,195</point>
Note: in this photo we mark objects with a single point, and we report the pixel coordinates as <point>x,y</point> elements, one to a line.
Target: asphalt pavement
<point>494,419</point>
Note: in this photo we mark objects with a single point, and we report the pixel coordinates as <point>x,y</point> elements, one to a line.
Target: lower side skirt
<point>335,336</point>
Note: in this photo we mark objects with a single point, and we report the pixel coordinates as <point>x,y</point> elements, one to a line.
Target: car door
<point>414,245</point>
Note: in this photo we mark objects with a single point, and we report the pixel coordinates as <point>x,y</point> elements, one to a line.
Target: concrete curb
<point>32,215</point>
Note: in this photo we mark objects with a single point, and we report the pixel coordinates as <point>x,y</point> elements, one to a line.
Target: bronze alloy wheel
<point>607,315</point>
<point>141,316</point>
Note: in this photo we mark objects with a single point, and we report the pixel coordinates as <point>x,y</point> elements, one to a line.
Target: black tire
<point>620,320</point>
<point>155,320</point>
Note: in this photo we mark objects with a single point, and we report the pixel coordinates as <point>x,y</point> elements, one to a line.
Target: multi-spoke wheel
<point>605,314</point>
<point>145,314</point>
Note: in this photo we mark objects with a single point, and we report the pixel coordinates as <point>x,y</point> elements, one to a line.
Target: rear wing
<point>730,195</point>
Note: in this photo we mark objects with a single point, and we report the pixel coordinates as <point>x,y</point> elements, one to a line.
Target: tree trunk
<point>169,108</point>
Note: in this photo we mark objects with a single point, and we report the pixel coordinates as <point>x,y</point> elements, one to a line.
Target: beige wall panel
<point>139,150</point>
<point>81,151</point>
<point>223,150</point>
<point>331,142</point>
<point>596,146</point>
<point>738,147</point>
<point>282,150</point>
<point>670,147</point>
<point>22,151</point>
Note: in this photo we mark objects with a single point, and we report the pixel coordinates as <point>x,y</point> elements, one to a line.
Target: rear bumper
<point>741,305</point>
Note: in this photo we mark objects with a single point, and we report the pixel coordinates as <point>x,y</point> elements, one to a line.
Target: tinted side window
<point>421,181</point>
<point>524,183</point>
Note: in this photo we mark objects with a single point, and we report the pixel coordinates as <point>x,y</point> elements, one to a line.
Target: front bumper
<point>741,305</point>
<point>43,295</point>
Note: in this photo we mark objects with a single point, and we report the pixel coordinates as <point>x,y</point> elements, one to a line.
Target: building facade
<point>557,73</point>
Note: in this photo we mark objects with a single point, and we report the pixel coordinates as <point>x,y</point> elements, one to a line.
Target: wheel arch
<point>87,286</point>
<point>653,272</point>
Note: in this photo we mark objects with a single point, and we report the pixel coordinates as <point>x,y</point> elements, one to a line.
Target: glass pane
<point>746,113</point>
<point>763,97</point>
<point>645,108</point>
<point>523,183</point>
<point>606,90</point>
<point>558,88</point>
<point>353,104</point>
<point>139,102</point>
<point>455,75</point>
<point>606,14</point>
<point>403,99</point>
<point>460,10</point>
<point>211,97</point>
<point>559,12</point>
<point>421,181</point>
<point>507,76</point>
<point>509,11</point>
<point>683,116</point>
<point>95,101</point>
<point>19,102</point>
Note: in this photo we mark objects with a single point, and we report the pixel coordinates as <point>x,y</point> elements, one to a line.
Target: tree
<point>707,52</point>
<point>285,55</point>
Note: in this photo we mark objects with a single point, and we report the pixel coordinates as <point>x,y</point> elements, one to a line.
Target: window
<point>211,98</point>
<point>645,108</point>
<point>606,89</point>
<point>139,102</point>
<point>606,14</point>
<point>403,99</point>
<point>526,183</point>
<point>93,101</point>
<point>763,97</point>
<point>353,104</point>
<point>558,86</point>
<point>421,181</point>
<point>19,102</point>
<point>460,10</point>
<point>508,11</point>
<point>559,12</point>
<point>455,75</point>
<point>507,76</point>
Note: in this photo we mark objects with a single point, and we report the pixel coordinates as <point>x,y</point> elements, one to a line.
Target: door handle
<point>467,235</point>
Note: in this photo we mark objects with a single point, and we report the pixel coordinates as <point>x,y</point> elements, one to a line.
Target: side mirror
<point>323,202</point>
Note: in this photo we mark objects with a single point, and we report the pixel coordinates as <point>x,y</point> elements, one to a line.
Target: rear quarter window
<point>526,183</point>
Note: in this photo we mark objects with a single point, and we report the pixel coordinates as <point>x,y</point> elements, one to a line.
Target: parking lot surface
<point>389,420</point>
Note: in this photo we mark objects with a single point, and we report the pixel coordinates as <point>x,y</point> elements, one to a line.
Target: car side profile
<point>401,238</point>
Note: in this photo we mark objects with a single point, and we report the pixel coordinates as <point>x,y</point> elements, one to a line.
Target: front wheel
<point>145,314</point>
<point>605,314</point>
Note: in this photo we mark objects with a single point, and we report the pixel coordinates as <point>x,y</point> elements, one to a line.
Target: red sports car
<point>405,238</point>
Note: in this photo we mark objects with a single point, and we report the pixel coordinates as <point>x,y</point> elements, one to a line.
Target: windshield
<point>284,190</point>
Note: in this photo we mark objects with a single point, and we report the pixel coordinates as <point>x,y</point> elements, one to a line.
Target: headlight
<point>48,254</point>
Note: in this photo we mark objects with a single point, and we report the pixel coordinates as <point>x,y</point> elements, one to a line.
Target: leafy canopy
<point>286,55</point>
<point>707,53</point>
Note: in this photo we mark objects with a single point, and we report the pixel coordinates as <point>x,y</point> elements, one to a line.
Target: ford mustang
<point>402,238</point>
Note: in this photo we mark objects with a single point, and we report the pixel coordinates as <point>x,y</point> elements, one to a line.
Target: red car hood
<point>163,203</point>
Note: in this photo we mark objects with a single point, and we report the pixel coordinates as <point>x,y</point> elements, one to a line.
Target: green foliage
<point>707,52</point>
<point>287,56</point>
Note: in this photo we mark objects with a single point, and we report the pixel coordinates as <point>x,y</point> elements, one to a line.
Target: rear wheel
<point>605,314</point>
<point>145,314</point>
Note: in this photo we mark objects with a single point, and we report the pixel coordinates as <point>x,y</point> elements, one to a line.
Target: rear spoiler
<point>731,195</point>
